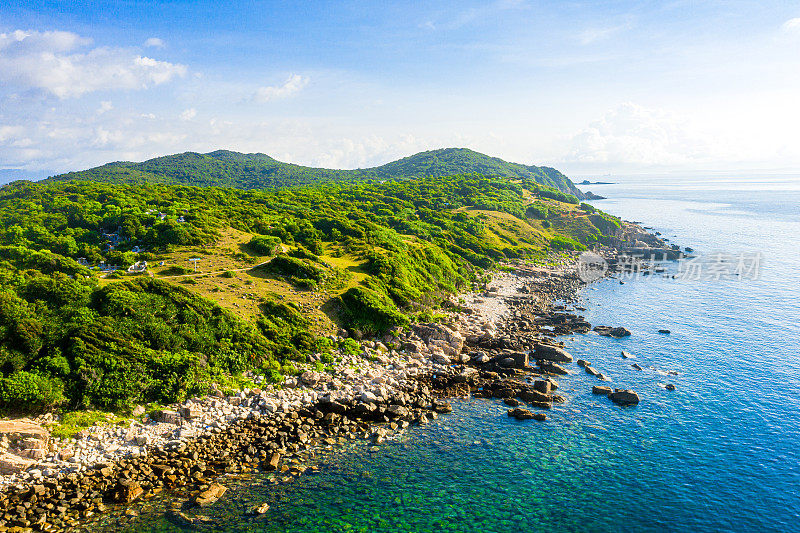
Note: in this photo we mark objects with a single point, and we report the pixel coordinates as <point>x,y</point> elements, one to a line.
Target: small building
<point>137,267</point>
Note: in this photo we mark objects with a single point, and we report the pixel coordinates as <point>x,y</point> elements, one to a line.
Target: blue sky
<point>589,87</point>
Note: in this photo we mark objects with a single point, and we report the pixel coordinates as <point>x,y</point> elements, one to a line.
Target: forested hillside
<point>76,332</point>
<point>224,168</point>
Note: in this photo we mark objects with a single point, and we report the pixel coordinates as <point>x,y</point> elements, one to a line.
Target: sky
<point>592,88</point>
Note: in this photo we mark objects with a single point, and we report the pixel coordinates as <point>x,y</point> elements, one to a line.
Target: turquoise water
<point>718,454</point>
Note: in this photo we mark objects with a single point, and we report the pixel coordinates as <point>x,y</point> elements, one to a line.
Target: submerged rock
<point>259,509</point>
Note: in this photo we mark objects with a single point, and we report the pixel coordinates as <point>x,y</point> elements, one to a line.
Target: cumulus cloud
<point>105,106</point>
<point>634,135</point>
<point>188,114</point>
<point>294,84</point>
<point>58,62</point>
<point>791,25</point>
<point>154,42</point>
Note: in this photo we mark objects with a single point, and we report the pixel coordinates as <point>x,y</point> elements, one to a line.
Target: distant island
<point>587,182</point>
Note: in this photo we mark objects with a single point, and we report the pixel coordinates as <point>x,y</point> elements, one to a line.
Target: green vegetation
<point>70,338</point>
<point>73,422</point>
<point>224,168</point>
<point>265,244</point>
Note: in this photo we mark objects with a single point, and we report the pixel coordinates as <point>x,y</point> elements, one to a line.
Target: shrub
<point>294,268</point>
<point>539,211</point>
<point>370,311</point>
<point>301,252</point>
<point>265,244</point>
<point>27,391</point>
<point>561,242</point>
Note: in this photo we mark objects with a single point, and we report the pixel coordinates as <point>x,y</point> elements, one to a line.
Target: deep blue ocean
<point>720,453</point>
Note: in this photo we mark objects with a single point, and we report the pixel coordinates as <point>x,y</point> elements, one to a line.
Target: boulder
<point>517,360</point>
<point>465,376</point>
<point>624,397</point>
<point>210,495</point>
<point>480,358</point>
<point>669,386</point>
<point>368,397</point>
<point>441,406</point>
<point>167,416</point>
<point>549,352</point>
<point>512,402</point>
<point>441,359</point>
<point>601,389</point>
<point>273,462</point>
<point>309,378</point>
<point>552,368</point>
<point>258,509</point>
<point>396,411</point>
<point>13,464</point>
<point>524,414</point>
<point>584,363</point>
<point>531,395</point>
<point>664,331</point>
<point>636,367</point>
<point>190,412</point>
<point>607,331</point>
<point>619,332</point>
<point>520,414</point>
<point>626,355</point>
<point>542,386</point>
<point>127,491</point>
<point>592,371</point>
<point>507,362</point>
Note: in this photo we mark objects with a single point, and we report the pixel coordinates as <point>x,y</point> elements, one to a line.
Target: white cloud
<point>791,25</point>
<point>105,106</point>
<point>188,114</point>
<point>294,84</point>
<point>634,135</point>
<point>155,42</point>
<point>53,62</point>
<point>593,35</point>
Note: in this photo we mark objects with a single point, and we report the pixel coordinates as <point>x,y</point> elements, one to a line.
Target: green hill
<point>259,171</point>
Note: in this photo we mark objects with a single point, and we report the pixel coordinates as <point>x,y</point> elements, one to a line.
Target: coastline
<point>402,379</point>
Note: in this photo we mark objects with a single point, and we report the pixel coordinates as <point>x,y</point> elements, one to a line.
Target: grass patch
<point>76,421</point>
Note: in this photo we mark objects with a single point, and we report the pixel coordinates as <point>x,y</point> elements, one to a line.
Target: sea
<point>720,453</point>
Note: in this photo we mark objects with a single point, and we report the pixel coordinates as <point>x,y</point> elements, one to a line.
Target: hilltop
<point>224,168</point>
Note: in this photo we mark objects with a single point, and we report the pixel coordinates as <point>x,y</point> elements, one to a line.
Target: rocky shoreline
<point>498,343</point>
